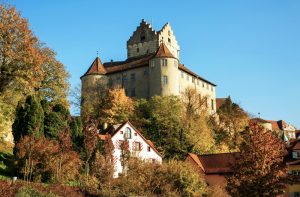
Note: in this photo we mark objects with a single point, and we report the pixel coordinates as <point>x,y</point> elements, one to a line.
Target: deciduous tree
<point>259,170</point>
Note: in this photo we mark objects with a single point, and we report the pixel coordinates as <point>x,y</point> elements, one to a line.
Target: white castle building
<point>152,67</point>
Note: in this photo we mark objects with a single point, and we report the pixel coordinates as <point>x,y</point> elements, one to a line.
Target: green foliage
<point>29,192</point>
<point>29,119</point>
<point>56,121</point>
<point>232,121</point>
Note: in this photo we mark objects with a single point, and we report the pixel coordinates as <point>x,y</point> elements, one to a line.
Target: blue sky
<point>250,49</point>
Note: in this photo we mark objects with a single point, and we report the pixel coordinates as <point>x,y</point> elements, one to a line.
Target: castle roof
<point>96,68</point>
<point>113,67</point>
<point>163,51</point>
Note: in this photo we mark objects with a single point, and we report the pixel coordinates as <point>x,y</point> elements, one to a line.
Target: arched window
<point>127,133</point>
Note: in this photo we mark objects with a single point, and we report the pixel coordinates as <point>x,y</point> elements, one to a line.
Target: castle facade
<point>152,67</point>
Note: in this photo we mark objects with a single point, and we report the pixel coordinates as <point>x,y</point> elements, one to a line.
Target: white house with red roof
<point>139,146</point>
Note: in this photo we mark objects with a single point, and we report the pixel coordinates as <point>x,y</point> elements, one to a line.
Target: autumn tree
<point>125,155</point>
<point>33,156</point>
<point>90,140</point>
<point>195,116</point>
<point>117,107</point>
<point>27,67</point>
<point>259,170</point>
<point>232,121</point>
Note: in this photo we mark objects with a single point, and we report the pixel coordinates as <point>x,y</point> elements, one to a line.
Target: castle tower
<point>93,83</point>
<point>163,75</point>
<point>145,40</point>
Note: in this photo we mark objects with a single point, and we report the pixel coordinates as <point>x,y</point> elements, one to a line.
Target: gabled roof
<point>259,120</point>
<point>116,128</point>
<point>216,163</point>
<point>96,68</point>
<point>163,51</point>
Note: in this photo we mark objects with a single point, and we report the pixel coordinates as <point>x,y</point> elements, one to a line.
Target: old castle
<point>152,67</point>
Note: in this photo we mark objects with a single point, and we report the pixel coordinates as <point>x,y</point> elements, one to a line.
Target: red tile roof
<point>113,67</point>
<point>215,163</point>
<point>259,120</point>
<point>163,51</point>
<point>96,67</point>
<point>275,125</point>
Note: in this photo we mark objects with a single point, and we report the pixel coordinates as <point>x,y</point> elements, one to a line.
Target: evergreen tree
<point>29,119</point>
<point>56,121</point>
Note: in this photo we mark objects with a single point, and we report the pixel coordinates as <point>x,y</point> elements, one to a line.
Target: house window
<point>121,132</point>
<point>164,62</point>
<point>135,134</point>
<point>165,79</point>
<point>193,80</point>
<point>182,74</point>
<point>145,72</point>
<point>133,92</point>
<point>132,76</point>
<point>296,155</point>
<point>127,133</point>
<point>148,149</point>
<point>137,50</point>
<point>187,77</point>
<point>169,40</point>
<point>203,84</point>
<point>120,142</point>
<point>137,146</point>
<point>198,82</point>
<point>212,104</point>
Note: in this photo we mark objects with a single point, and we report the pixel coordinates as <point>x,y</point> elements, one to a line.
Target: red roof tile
<point>216,163</point>
<point>275,125</point>
<point>96,67</point>
<point>163,51</point>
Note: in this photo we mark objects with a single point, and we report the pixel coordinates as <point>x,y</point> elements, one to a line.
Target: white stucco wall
<point>144,154</point>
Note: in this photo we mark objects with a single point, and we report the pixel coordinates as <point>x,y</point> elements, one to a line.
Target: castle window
<point>164,62</point>
<point>212,104</point>
<point>133,92</point>
<point>148,149</point>
<point>207,86</point>
<point>137,50</point>
<point>187,77</point>
<point>169,40</point>
<point>175,63</point>
<point>132,76</point>
<point>169,32</point>
<point>152,64</point>
<point>165,79</point>
<point>203,84</point>
<point>182,74</point>
<point>127,133</point>
<point>124,78</point>
<point>193,80</point>
<point>212,88</point>
<point>143,36</point>
<point>198,81</point>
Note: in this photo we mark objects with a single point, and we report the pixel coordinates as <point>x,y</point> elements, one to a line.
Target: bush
<point>29,192</point>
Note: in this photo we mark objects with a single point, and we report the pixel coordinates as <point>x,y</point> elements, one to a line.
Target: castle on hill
<point>152,67</point>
